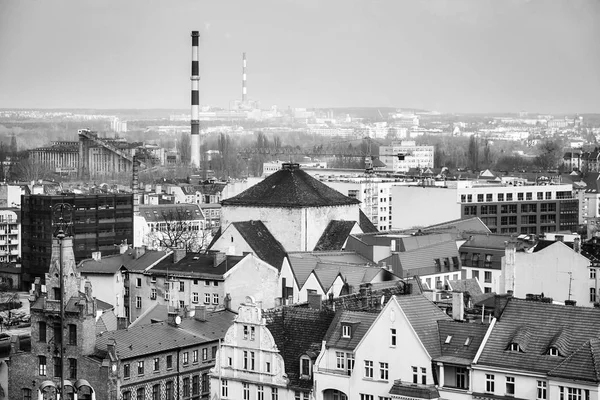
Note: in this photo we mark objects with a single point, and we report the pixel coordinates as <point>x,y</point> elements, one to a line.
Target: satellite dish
<point>177,320</point>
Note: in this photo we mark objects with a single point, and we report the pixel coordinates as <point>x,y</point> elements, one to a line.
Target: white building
<point>404,155</point>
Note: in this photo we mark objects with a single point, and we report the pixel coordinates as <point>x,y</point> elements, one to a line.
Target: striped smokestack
<point>244,92</point>
<point>195,78</point>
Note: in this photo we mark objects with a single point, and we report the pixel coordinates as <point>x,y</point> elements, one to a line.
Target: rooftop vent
<point>290,166</point>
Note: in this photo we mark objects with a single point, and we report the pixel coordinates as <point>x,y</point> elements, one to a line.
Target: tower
<point>244,90</point>
<point>195,78</point>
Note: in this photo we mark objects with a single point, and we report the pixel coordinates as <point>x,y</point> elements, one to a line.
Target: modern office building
<point>99,222</point>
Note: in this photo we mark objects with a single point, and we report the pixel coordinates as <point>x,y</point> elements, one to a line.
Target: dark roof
<point>413,390</point>
<point>197,265</point>
<point>371,301</point>
<point>460,341</point>
<point>583,364</point>
<point>360,321</point>
<point>486,241</point>
<point>537,326</point>
<point>365,223</point>
<point>470,286</point>
<point>112,263</point>
<point>171,212</point>
<point>297,331</point>
<point>335,235</point>
<point>290,188</point>
<point>302,263</point>
<point>472,224</point>
<point>423,316</point>
<point>262,242</point>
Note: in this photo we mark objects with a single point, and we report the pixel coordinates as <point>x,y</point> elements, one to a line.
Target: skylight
<point>468,340</point>
<point>448,339</point>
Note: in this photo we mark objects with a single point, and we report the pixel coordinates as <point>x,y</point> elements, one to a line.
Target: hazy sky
<point>445,55</point>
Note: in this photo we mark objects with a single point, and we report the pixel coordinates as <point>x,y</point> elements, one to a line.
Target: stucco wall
<point>290,281</point>
<point>252,277</point>
<point>422,206</point>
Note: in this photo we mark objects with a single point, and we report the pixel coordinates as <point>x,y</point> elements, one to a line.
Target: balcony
<point>2,242</point>
<point>14,231</point>
<point>14,242</point>
<point>14,252</point>
<point>2,232</point>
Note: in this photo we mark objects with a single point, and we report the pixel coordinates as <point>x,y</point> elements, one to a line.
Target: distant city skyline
<point>465,56</point>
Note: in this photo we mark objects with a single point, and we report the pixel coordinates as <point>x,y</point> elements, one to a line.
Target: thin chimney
<point>195,123</point>
<point>244,90</point>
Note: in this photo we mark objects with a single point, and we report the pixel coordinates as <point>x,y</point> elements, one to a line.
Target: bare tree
<point>29,170</point>
<point>179,227</point>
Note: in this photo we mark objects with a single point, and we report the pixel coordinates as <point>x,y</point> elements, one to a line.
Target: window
<point>72,368</point>
<point>181,304</point>
<point>140,368</point>
<point>72,334</point>
<point>141,394</point>
<point>500,196</point>
<point>207,283</point>
<point>186,387</point>
<point>383,371</point>
<point>346,331</point>
<point>224,391</point>
<point>274,394</point>
<point>246,391</point>
<point>268,367</point>
<point>415,372</point>
<point>528,196</point>
<point>206,298</point>
<point>488,261</point>
<point>548,195</point>
<point>26,393</point>
<point>570,393</point>
<point>541,390</point>
<point>480,198</point>
<point>138,302</point>
<point>169,362</point>
<point>195,355</point>
<point>126,371</point>
<point>368,369</point>
<point>553,351</point>
<point>153,294</point>
<point>305,366</point>
<point>366,396</point>
<point>448,339</point>
<point>169,390</point>
<point>489,383</point>
<point>57,367</point>
<point>469,198</point>
<point>42,331</point>
<point>488,197</point>
<point>424,376</point>
<point>185,358</point>
<point>475,274</point>
<point>181,286</point>
<point>126,395</point>
<point>194,297</point>
<point>260,392</point>
<point>155,390</point>
<point>592,276</point>
<point>195,385</point>
<point>461,378</point>
<point>205,383</point>
<point>57,328</point>
<point>349,363</point>
<point>156,364</point>
<point>214,352</point>
<point>252,361</point>
<point>487,276</point>
<point>138,282</point>
<point>42,365</point>
<point>592,295</point>
<point>510,385</point>
<point>520,196</point>
<point>252,333</point>
<point>215,298</point>
<point>392,337</point>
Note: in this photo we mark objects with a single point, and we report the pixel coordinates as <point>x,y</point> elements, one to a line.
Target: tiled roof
<point>415,242</point>
<point>210,188</point>
<point>148,339</point>
<point>106,322</point>
<point>262,242</point>
<point>414,391</point>
<point>198,265</point>
<point>171,212</point>
<point>214,327</point>
<point>424,315</point>
<point>335,235</point>
<point>303,263</point>
<point>353,275</point>
<point>583,364</point>
<point>481,241</point>
<point>361,322</point>
<point>470,286</point>
<point>112,263</point>
<point>545,324</point>
<point>425,256</point>
<point>371,301</point>
<point>460,340</point>
<point>290,188</point>
<point>473,224</point>
<point>365,223</point>
<point>298,331</point>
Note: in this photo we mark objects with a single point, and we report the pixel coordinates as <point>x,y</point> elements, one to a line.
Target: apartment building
<point>404,155</point>
<point>10,235</point>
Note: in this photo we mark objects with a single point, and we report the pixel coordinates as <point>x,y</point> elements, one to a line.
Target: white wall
<point>423,206</point>
<point>108,288</point>
<point>252,277</point>
<point>290,281</point>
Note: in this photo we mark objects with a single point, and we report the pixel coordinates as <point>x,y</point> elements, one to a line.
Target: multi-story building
<point>10,235</point>
<point>99,222</point>
<point>404,155</point>
<point>503,207</point>
<point>61,157</point>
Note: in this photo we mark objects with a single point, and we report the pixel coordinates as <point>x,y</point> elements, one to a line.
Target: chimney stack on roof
<point>458,306</point>
<point>178,255</point>
<point>218,258</point>
<point>314,301</point>
<point>200,313</point>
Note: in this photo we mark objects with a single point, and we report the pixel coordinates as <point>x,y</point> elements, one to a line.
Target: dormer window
<point>346,331</point>
<point>515,347</point>
<point>305,369</point>
<point>553,351</point>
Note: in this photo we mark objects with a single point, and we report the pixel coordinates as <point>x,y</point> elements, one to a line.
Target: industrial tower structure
<point>195,78</point>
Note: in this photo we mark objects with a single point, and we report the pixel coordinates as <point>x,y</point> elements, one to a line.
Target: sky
<point>465,56</point>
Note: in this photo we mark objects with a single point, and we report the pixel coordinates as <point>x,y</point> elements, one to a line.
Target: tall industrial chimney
<point>244,90</point>
<point>195,78</point>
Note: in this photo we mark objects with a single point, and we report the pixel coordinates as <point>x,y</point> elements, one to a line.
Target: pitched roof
<point>472,224</point>
<point>424,257</point>
<point>365,223</point>
<point>262,242</point>
<point>537,326</point>
<point>353,275</point>
<point>171,212</point>
<point>297,331</point>
<point>335,235</point>
<point>408,390</point>
<point>290,188</point>
<point>486,241</point>
<point>360,321</point>
<point>460,341</point>
<point>197,265</point>
<point>583,364</point>
<point>302,263</point>
<point>423,315</point>
<point>470,286</point>
<point>112,263</point>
